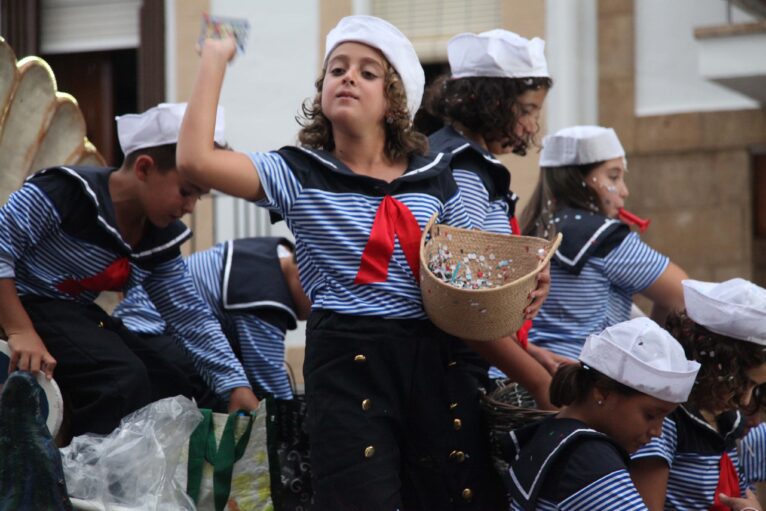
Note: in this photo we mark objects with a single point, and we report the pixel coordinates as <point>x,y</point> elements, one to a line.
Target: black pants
<point>393,419</point>
<point>104,370</point>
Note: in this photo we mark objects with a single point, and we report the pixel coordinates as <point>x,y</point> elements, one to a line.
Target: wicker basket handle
<point>427,230</point>
<point>552,247</point>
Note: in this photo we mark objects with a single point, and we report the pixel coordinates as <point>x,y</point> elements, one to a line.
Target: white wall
<point>262,94</point>
<point>263,91</point>
<point>667,75</point>
<point>571,39</point>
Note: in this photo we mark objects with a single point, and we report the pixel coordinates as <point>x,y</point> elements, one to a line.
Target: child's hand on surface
<point>28,353</point>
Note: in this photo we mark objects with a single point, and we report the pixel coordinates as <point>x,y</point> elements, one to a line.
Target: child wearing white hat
<point>695,459</point>
<point>490,105</point>
<point>630,376</point>
<point>71,232</point>
<point>600,264</point>
<point>393,422</point>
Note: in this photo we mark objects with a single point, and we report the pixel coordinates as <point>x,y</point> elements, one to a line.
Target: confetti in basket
<point>475,284</point>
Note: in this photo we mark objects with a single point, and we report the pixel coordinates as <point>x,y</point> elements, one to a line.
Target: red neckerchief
<point>113,278</point>
<point>392,218</point>
<point>523,334</point>
<point>728,483</point>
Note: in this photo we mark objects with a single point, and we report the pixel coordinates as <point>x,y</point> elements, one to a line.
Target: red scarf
<point>113,278</point>
<point>523,334</point>
<point>728,483</point>
<point>392,218</point>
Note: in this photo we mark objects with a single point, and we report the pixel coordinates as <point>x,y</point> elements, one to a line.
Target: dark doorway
<point>104,85</point>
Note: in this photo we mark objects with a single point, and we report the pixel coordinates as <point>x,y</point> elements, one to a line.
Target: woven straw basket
<point>481,314</point>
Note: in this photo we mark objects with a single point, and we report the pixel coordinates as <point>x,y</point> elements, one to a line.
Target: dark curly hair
<point>573,383</point>
<point>485,105</point>
<point>558,188</point>
<point>721,382</point>
<point>401,139</point>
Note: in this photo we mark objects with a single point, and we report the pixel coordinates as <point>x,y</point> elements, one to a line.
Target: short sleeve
<point>752,454</point>
<point>455,213</point>
<point>663,446</point>
<point>279,182</point>
<point>633,265</point>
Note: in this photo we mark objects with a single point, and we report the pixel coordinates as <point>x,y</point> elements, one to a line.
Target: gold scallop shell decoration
<point>39,126</point>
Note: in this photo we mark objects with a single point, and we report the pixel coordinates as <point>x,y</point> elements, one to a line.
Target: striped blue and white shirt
<point>599,296</point>
<point>562,464</point>
<point>261,343</point>
<point>330,211</point>
<point>752,454</point>
<point>59,226</point>
<point>483,180</point>
<point>613,492</point>
<point>687,444</point>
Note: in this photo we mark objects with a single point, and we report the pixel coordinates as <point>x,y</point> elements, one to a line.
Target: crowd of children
<point>647,417</point>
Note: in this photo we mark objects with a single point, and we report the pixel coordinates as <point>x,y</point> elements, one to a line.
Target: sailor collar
<point>535,448</point>
<point>255,260</point>
<point>419,166</point>
<point>449,140</point>
<point>730,425</point>
<point>584,234</point>
<point>94,182</point>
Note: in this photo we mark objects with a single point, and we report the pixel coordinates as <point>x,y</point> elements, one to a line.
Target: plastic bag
<point>133,467</point>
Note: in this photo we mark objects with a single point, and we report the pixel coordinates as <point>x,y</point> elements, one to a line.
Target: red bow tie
<point>113,278</point>
<point>392,218</point>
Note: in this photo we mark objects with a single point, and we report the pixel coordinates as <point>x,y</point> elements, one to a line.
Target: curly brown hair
<point>401,139</point>
<point>485,105</point>
<point>721,382</point>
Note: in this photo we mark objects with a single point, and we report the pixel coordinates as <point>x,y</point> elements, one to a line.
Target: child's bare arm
<point>198,160</point>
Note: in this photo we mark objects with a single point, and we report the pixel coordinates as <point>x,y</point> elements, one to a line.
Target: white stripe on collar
<point>226,276</point>
<point>177,239</point>
<point>436,160</point>
<point>562,443</point>
<point>573,262</point>
<point>487,157</point>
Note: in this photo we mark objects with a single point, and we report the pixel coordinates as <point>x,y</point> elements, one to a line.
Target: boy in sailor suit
<point>252,287</point>
<point>71,232</point>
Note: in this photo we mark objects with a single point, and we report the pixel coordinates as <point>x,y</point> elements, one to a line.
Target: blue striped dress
<point>600,295</point>
<point>49,235</point>
<point>693,450</point>
<point>330,211</point>
<point>261,342</point>
<point>752,455</point>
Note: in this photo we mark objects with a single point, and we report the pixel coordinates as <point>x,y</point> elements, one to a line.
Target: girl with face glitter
<point>601,264</point>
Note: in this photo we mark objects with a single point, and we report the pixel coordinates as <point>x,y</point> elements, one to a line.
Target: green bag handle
<point>229,452</point>
<point>202,448</point>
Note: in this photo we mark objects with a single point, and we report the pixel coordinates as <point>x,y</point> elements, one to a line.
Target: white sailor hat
<point>643,356</point>
<point>580,145</point>
<point>158,126</point>
<point>497,53</point>
<point>735,308</point>
<point>385,37</point>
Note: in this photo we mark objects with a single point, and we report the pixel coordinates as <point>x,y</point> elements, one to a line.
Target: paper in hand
<point>218,27</point>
